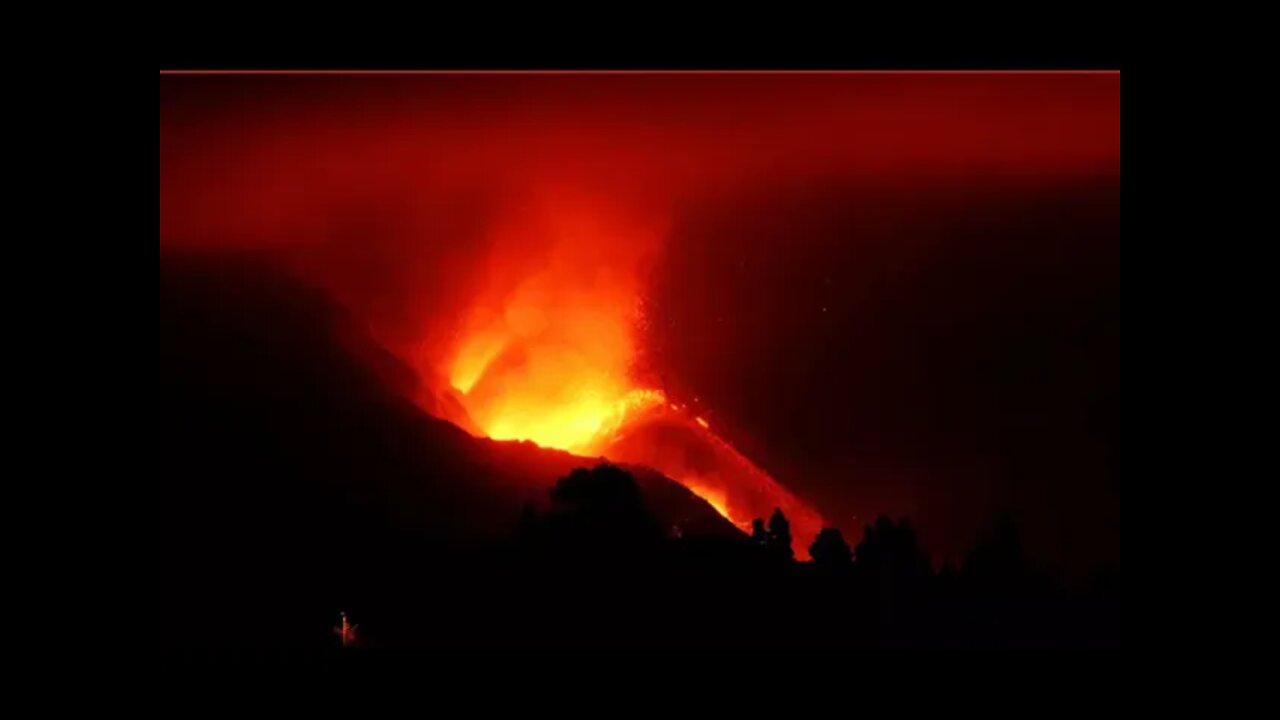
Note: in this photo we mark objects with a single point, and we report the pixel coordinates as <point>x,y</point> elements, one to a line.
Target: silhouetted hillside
<point>297,475</point>
<point>299,481</point>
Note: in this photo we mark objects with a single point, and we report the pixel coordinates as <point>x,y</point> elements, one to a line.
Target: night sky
<point>896,293</point>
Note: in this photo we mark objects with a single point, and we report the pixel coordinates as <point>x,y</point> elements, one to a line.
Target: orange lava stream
<point>545,353</point>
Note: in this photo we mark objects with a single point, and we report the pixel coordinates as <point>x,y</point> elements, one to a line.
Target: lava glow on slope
<point>546,353</point>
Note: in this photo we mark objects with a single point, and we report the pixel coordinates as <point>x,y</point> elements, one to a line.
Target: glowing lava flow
<point>554,376</point>
<point>545,351</point>
<point>545,355</point>
<point>600,416</point>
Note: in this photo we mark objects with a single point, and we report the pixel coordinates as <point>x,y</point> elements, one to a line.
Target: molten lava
<point>546,352</point>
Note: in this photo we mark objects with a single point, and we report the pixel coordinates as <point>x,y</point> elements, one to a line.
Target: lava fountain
<point>546,354</point>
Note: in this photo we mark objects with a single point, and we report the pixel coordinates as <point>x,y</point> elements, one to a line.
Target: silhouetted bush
<point>599,512</point>
<point>830,550</point>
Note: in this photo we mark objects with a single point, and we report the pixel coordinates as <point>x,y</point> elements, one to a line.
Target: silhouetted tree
<point>1009,603</point>
<point>600,511</point>
<point>890,555</point>
<point>997,563</point>
<point>780,536</point>
<point>759,536</point>
<point>604,485</point>
<point>829,549</point>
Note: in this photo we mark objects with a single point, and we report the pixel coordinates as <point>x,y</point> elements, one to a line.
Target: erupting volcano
<point>838,294</point>
<point>547,354</point>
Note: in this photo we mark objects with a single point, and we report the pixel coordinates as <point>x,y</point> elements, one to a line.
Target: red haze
<point>500,232</point>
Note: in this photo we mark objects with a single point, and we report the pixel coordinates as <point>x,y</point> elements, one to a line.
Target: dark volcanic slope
<point>293,465</point>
